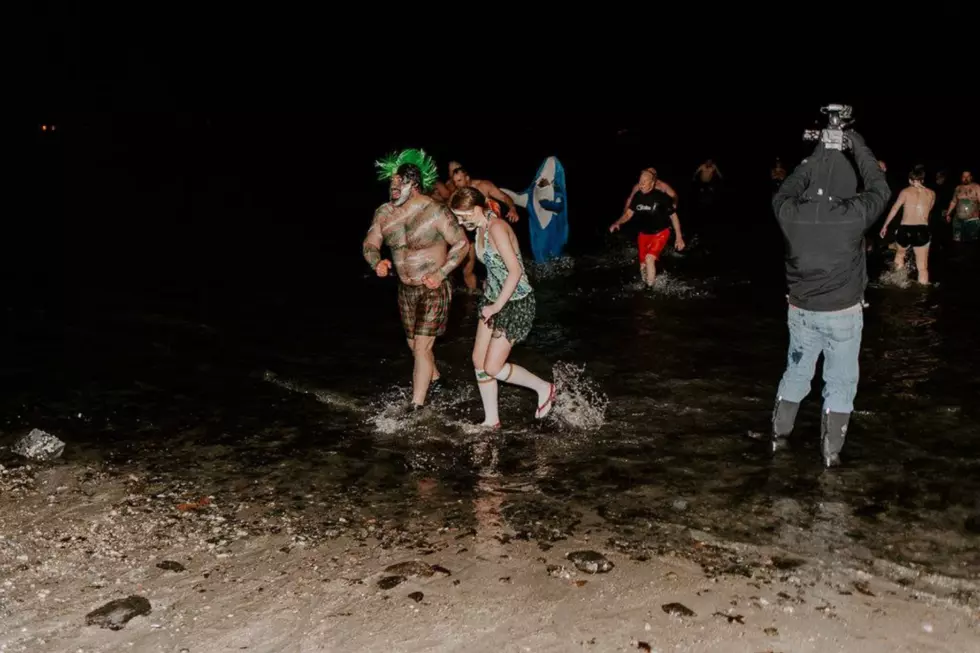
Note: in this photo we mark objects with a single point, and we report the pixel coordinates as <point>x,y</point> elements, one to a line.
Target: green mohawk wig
<point>388,166</point>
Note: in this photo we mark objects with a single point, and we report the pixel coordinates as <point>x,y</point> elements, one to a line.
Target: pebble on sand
<point>678,609</point>
<point>416,596</point>
<point>410,568</point>
<point>170,565</point>
<point>591,562</point>
<point>390,582</point>
<point>115,614</point>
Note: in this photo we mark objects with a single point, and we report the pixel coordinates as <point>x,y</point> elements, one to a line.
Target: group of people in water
<point>918,204</point>
<point>427,242</point>
<point>822,215</point>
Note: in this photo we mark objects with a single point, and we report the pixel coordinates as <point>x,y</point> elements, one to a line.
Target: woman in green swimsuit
<point>506,308</point>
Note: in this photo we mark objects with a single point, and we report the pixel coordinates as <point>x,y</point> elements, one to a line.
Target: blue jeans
<point>837,335</point>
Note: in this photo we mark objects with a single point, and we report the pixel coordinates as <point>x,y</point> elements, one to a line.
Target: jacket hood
<point>832,176</point>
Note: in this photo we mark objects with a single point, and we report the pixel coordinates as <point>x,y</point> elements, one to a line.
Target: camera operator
<point>824,220</point>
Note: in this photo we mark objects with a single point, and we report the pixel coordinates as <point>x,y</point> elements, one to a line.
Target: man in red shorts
<point>655,212</point>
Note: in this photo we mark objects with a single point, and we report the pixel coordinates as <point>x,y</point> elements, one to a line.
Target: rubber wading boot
<point>783,419</point>
<point>833,431</point>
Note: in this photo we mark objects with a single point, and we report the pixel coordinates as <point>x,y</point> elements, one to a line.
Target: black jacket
<point>824,219</point>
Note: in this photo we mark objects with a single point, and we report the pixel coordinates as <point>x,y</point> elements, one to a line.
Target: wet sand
<point>274,465</point>
<point>257,577</point>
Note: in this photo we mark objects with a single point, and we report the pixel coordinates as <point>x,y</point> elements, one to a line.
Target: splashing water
<point>392,412</point>
<point>894,278</point>
<point>665,285</point>
<point>553,269</point>
<point>578,401</point>
<point>329,397</point>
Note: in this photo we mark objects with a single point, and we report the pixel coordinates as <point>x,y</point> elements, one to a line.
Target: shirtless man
<point>659,184</point>
<point>460,179</point>
<point>426,245</point>
<point>916,203</point>
<point>966,203</point>
<point>442,191</point>
<point>777,175</point>
<point>706,172</point>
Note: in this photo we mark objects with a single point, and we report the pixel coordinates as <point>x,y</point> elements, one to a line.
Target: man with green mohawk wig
<point>426,244</point>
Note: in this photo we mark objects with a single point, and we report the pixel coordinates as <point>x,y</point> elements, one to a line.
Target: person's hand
<point>433,281</point>
<point>884,231</point>
<point>680,244</point>
<point>512,215</point>
<point>488,312</point>
<point>614,227</point>
<point>949,216</point>
<point>383,268</point>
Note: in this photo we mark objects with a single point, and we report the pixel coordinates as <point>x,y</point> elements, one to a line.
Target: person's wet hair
<point>918,173</point>
<point>411,173</point>
<point>466,198</point>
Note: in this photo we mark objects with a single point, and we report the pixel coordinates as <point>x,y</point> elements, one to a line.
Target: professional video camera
<point>832,136</point>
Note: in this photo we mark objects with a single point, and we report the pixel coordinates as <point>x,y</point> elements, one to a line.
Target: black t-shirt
<point>652,211</point>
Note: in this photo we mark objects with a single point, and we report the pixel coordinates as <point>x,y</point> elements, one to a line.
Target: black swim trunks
<point>916,235</point>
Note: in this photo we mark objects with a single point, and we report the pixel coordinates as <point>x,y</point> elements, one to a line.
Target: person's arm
<point>495,193</point>
<point>891,214</point>
<point>665,187</point>
<point>629,200</point>
<point>954,201</point>
<point>500,236</point>
<point>698,171</point>
<point>679,244</point>
<point>371,248</point>
<point>458,243</point>
<point>718,172</point>
<point>623,219</point>
<point>871,202</point>
<point>788,198</point>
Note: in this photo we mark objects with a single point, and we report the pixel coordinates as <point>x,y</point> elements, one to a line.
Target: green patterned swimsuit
<point>515,318</point>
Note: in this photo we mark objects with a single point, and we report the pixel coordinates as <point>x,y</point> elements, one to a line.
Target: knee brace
<point>504,372</point>
<point>483,377</point>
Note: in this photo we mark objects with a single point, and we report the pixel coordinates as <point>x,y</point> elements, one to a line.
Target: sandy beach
<point>249,576</point>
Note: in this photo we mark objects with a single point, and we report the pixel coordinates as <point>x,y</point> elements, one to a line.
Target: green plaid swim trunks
<point>424,312</point>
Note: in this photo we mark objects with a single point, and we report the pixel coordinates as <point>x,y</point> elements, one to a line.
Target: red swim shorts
<point>652,244</point>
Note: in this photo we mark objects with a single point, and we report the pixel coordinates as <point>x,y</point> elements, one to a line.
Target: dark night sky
<point>188,137</point>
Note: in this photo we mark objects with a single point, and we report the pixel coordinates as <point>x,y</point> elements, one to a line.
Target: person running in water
<point>507,307</point>
<point>461,179</point>
<point>706,172</point>
<point>966,203</point>
<point>823,219</point>
<point>706,177</point>
<point>426,246</point>
<point>915,202</point>
<point>656,213</point>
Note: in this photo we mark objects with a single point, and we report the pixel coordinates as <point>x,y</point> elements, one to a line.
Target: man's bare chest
<point>411,230</point>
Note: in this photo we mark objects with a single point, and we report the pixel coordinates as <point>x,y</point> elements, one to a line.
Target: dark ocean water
<point>273,367</point>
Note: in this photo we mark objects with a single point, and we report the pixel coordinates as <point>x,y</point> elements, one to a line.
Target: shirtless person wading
<point>426,245</point>
<point>916,203</point>
<point>461,179</point>
<point>966,203</point>
<point>706,172</point>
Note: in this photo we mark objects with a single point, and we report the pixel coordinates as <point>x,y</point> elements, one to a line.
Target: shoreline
<point>74,536</point>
